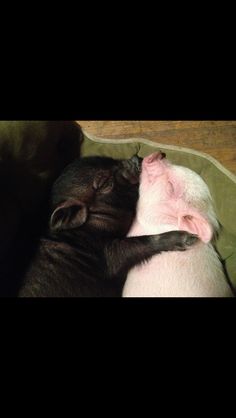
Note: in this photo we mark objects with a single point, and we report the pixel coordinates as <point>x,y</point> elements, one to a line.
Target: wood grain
<point>217,138</point>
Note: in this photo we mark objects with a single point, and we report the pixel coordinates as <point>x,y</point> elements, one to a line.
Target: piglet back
<point>197,272</point>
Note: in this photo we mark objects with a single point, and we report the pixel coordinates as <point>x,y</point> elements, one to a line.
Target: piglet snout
<point>155,164</point>
<point>156,156</point>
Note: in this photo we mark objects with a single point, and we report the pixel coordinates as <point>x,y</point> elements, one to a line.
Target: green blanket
<point>221,182</point>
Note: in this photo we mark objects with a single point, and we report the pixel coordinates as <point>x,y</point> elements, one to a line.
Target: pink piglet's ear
<point>196,224</point>
<point>70,214</point>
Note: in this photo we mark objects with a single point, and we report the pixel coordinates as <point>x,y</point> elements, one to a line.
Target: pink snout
<point>156,156</point>
<point>155,164</point>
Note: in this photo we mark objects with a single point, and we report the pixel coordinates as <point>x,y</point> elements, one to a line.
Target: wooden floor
<point>217,138</point>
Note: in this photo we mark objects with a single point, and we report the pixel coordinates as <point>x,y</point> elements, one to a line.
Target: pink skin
<point>169,197</point>
<point>175,198</point>
<point>156,165</point>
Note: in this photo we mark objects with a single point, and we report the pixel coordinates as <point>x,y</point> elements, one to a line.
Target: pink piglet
<point>172,197</point>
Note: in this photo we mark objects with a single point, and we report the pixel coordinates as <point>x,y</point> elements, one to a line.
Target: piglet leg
<point>123,254</point>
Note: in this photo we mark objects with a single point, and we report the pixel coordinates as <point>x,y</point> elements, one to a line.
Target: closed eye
<point>170,188</point>
<point>106,186</point>
<point>103,182</point>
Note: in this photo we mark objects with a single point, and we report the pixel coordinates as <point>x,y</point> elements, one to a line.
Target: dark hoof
<point>175,241</point>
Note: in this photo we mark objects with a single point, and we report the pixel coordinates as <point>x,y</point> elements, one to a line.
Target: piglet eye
<point>107,185</point>
<point>103,182</point>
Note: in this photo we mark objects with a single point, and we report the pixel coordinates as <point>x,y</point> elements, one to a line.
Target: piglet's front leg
<point>123,254</point>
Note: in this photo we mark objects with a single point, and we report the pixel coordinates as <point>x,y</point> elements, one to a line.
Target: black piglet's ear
<point>70,214</point>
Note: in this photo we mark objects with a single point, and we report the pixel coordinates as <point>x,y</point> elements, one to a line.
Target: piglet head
<point>175,195</point>
<point>154,180</point>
